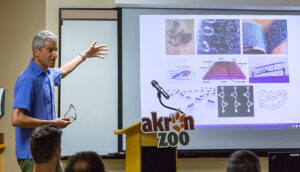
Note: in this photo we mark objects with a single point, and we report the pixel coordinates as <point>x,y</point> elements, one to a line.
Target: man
<point>34,91</point>
<point>243,161</point>
<point>85,162</point>
<point>45,147</point>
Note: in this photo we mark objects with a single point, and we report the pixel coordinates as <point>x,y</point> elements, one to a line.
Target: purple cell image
<point>268,70</point>
<point>219,36</point>
<point>224,70</point>
<point>180,72</point>
<point>183,73</point>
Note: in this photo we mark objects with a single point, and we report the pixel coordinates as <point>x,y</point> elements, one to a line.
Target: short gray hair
<point>40,38</point>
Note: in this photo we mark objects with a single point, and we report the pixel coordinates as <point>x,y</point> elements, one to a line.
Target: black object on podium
<point>284,161</point>
<point>162,159</point>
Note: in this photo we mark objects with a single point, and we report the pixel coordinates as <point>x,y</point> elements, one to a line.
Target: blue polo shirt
<point>34,92</point>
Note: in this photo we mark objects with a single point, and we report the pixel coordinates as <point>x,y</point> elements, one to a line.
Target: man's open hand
<point>95,51</point>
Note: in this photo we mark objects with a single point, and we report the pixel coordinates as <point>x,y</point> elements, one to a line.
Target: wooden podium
<point>2,147</point>
<point>142,154</point>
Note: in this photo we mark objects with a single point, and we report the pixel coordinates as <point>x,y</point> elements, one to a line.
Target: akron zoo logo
<point>170,130</point>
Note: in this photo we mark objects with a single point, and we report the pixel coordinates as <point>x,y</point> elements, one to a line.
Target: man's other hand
<point>62,122</point>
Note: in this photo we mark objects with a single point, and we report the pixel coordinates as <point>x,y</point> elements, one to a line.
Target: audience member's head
<point>243,161</point>
<point>85,162</point>
<point>45,144</point>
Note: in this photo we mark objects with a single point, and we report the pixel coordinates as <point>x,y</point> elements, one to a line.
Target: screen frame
<point>196,153</point>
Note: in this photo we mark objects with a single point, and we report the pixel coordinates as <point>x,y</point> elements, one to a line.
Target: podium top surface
<point>2,146</point>
<point>131,127</point>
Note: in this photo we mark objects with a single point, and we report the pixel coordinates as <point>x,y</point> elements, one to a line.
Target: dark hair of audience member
<point>92,162</point>
<point>243,161</point>
<point>44,141</point>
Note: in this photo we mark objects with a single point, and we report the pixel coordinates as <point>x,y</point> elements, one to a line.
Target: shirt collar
<point>36,69</point>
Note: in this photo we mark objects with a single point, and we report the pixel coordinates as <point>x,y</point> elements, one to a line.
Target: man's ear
<point>36,52</point>
<point>58,152</point>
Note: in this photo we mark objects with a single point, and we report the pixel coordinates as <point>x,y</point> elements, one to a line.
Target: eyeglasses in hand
<point>71,113</point>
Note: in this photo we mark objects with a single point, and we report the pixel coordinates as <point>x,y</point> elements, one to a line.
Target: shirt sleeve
<point>23,94</point>
<point>56,76</point>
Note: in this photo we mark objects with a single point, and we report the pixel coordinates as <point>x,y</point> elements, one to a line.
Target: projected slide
<point>222,70</point>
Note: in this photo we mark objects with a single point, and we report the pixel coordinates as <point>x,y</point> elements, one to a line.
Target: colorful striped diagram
<point>224,70</point>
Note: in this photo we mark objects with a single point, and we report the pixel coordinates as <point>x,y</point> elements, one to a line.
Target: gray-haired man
<point>34,103</point>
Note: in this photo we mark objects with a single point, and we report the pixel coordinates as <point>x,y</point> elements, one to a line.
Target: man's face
<point>47,55</point>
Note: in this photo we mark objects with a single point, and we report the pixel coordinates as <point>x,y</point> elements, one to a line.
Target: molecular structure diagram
<point>223,103</point>
<point>236,103</point>
<point>249,103</point>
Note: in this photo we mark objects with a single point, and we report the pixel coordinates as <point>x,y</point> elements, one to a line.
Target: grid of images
<point>222,36</point>
<point>230,51</point>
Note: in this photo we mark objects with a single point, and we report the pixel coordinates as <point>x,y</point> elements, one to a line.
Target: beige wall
<point>19,20</point>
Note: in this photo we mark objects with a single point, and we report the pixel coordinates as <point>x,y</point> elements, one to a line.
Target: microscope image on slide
<point>235,101</point>
<point>218,36</point>
<point>180,37</point>
<point>265,36</point>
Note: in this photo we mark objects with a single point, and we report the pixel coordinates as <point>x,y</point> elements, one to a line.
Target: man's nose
<point>54,53</point>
